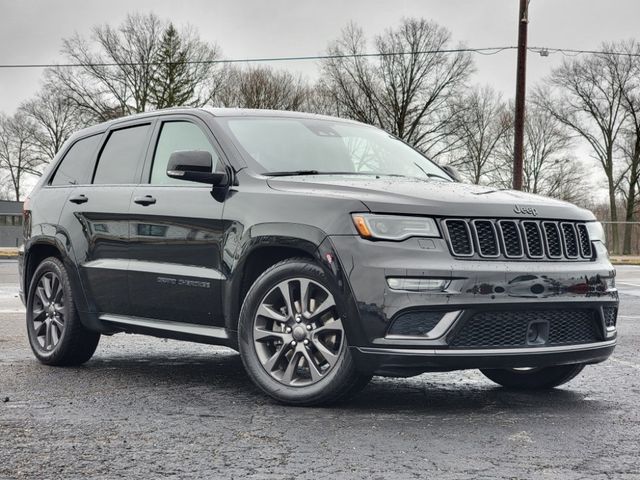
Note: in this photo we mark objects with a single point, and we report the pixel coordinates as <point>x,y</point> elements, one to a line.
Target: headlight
<point>394,227</point>
<point>596,232</point>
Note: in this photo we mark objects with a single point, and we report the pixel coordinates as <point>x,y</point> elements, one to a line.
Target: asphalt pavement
<point>151,408</point>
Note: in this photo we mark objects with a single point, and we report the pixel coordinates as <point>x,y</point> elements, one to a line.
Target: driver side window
<point>177,136</point>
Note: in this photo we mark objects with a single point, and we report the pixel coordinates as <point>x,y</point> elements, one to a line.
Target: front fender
<point>284,238</point>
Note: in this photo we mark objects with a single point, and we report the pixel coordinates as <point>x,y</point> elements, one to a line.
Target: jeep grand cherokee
<point>325,251</point>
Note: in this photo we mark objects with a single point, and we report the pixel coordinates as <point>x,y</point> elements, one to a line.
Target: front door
<point>176,234</point>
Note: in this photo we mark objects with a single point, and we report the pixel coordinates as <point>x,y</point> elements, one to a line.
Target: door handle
<point>79,199</point>
<point>146,200</point>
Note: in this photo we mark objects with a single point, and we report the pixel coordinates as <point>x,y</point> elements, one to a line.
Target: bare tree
<point>549,169</point>
<point>18,158</point>
<point>590,101</point>
<point>54,118</point>
<point>263,87</point>
<point>408,89</point>
<point>480,125</point>
<point>319,99</point>
<point>142,53</point>
<point>628,73</point>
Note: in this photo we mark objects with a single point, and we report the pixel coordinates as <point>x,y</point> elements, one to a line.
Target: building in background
<point>10,223</point>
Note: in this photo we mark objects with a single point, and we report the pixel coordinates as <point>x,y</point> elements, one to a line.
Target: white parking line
<point>627,283</point>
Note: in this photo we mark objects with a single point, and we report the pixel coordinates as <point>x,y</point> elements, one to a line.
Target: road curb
<point>623,260</point>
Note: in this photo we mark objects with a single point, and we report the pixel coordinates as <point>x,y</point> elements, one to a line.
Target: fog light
<point>418,284</point>
<point>538,332</point>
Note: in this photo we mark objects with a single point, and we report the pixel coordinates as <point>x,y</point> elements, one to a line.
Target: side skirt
<point>175,330</point>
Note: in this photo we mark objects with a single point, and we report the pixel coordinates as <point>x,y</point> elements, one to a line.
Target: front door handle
<point>146,200</point>
<point>79,199</point>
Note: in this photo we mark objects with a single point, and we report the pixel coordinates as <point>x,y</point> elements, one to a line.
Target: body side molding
<point>168,326</point>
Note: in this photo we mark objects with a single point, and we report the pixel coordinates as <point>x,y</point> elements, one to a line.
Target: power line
<point>480,51</point>
<point>484,51</point>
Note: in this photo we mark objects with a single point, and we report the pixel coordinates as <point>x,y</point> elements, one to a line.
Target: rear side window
<point>122,155</point>
<point>77,165</point>
<point>178,136</point>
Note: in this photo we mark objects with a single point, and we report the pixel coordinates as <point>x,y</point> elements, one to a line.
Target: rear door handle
<point>146,200</point>
<point>79,199</point>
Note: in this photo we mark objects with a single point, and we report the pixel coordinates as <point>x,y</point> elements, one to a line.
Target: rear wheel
<point>533,378</point>
<point>55,333</point>
<point>292,338</point>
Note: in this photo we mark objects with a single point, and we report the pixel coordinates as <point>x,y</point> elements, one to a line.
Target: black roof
<point>216,112</point>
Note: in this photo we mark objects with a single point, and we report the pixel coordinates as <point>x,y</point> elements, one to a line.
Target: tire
<point>56,335</point>
<point>534,379</point>
<point>295,349</point>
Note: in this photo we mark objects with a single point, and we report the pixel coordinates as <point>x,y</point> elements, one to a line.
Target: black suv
<point>325,251</point>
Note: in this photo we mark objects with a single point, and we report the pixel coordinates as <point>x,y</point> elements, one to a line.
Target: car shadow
<point>222,374</point>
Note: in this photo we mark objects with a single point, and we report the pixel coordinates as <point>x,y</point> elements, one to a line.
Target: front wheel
<point>533,378</point>
<point>292,338</point>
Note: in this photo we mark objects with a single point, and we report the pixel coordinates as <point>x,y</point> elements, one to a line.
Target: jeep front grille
<point>510,328</point>
<point>517,239</point>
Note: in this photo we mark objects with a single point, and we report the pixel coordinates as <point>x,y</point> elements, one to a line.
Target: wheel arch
<point>259,252</point>
<point>41,248</point>
<point>36,252</point>
<point>263,246</point>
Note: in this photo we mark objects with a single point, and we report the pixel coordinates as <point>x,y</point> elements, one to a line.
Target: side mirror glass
<point>195,166</point>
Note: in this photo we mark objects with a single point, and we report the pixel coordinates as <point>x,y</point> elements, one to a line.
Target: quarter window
<point>174,137</point>
<point>122,155</point>
<point>77,165</point>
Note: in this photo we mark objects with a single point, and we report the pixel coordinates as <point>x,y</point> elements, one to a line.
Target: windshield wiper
<point>435,175</point>
<point>430,175</point>
<point>292,173</point>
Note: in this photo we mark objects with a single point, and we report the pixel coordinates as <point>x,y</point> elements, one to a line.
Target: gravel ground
<point>147,408</point>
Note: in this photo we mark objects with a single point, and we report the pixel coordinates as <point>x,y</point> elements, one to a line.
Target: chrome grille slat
<point>583,238</point>
<point>513,239</point>
<point>532,239</point>
<point>569,240</point>
<point>552,239</point>
<point>459,235</point>
<point>487,238</point>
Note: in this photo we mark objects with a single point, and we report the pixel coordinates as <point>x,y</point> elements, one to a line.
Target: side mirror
<point>453,173</point>
<point>195,166</point>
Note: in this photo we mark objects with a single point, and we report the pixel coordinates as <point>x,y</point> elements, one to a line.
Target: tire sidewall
<point>297,268</point>
<point>50,265</point>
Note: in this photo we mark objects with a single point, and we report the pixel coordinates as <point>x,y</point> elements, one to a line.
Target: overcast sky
<point>31,31</point>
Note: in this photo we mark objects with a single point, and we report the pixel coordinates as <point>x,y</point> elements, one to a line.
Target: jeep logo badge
<point>525,210</point>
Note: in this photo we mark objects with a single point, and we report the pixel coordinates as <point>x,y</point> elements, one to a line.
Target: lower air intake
<point>499,329</point>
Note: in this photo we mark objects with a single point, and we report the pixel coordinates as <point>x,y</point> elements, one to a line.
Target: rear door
<point>175,271</point>
<point>96,217</point>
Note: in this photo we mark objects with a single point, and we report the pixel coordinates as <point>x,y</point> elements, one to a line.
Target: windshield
<point>291,145</point>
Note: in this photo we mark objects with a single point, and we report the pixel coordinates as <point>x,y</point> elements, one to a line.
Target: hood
<point>386,194</point>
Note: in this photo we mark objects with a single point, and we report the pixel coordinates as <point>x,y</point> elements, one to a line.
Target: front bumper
<point>404,362</point>
<point>473,287</point>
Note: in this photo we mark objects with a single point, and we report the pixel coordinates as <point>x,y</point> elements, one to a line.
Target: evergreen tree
<point>172,84</point>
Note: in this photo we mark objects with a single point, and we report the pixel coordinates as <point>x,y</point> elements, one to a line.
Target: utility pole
<point>521,78</point>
